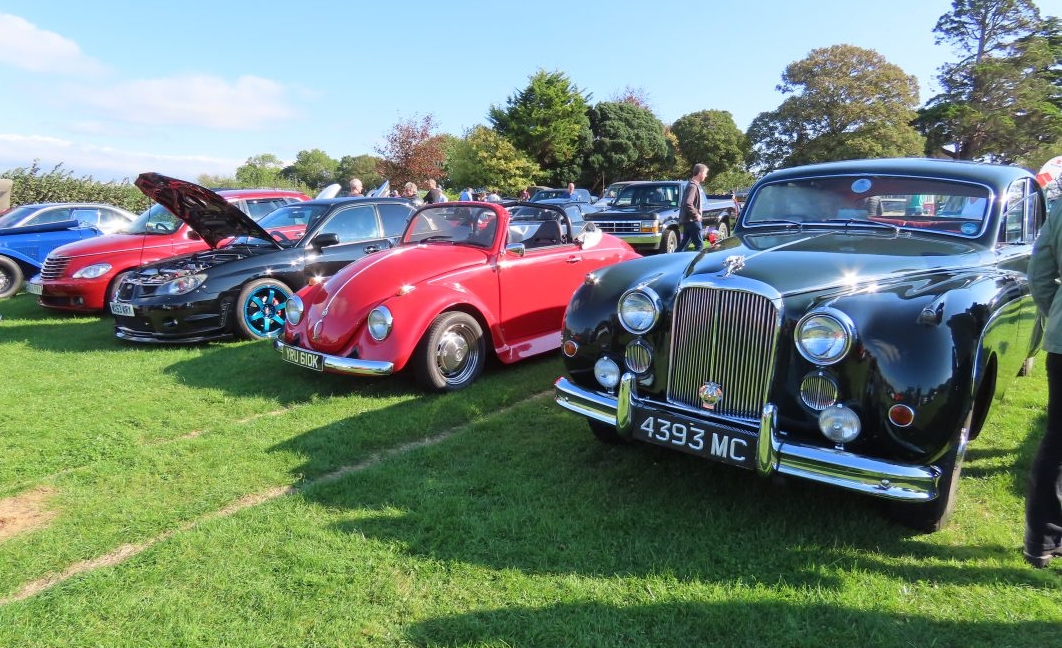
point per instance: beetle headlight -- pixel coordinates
(380, 323)
(607, 372)
(293, 310)
(824, 336)
(639, 309)
(92, 271)
(182, 285)
(839, 424)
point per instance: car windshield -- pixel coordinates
(156, 220)
(458, 225)
(543, 194)
(293, 214)
(650, 194)
(11, 218)
(928, 204)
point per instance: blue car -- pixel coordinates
(23, 249)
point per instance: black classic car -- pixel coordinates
(826, 340)
(240, 286)
(646, 215)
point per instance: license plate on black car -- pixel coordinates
(119, 308)
(307, 359)
(695, 437)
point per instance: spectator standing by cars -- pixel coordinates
(571, 191)
(467, 194)
(409, 190)
(435, 194)
(691, 210)
(1043, 502)
(356, 187)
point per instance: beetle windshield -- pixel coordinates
(454, 224)
(928, 204)
(650, 195)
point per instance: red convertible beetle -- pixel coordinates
(465, 277)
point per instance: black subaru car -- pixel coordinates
(240, 286)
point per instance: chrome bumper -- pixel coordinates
(774, 454)
(348, 366)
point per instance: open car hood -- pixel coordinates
(208, 214)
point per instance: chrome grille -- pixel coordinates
(620, 227)
(726, 337)
(54, 266)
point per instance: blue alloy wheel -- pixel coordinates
(260, 309)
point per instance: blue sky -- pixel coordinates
(192, 87)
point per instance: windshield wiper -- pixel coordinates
(777, 221)
(436, 237)
(863, 223)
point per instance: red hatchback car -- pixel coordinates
(81, 276)
(467, 280)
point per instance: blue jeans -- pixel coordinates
(691, 233)
(1043, 504)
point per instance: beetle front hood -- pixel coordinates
(208, 214)
(801, 261)
(343, 302)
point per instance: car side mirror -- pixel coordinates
(588, 236)
(324, 240)
(516, 249)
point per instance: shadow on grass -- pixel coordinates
(256, 369)
(532, 491)
(731, 623)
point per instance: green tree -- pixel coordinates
(548, 121)
(1000, 101)
(413, 152)
(363, 167)
(312, 168)
(486, 159)
(32, 185)
(260, 171)
(711, 137)
(628, 143)
(848, 103)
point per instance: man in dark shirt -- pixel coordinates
(434, 194)
(691, 210)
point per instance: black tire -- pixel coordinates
(112, 289)
(10, 277)
(669, 243)
(933, 515)
(605, 433)
(260, 309)
(452, 353)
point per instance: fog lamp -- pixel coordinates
(839, 424)
(607, 372)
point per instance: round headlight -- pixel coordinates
(380, 323)
(92, 271)
(638, 310)
(824, 336)
(293, 310)
(607, 372)
(839, 424)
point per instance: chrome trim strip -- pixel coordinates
(876, 477)
(348, 366)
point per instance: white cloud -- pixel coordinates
(249, 103)
(27, 47)
(104, 163)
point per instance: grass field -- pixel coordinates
(215, 496)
